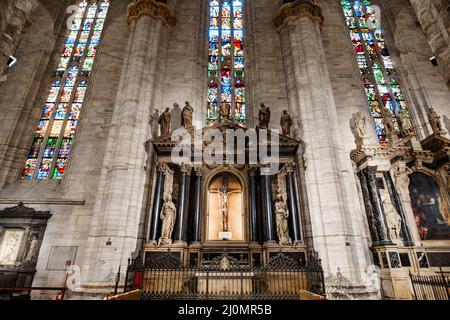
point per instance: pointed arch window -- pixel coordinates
(380, 79)
(226, 67)
(53, 137)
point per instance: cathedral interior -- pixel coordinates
(339, 177)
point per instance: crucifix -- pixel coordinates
(223, 193)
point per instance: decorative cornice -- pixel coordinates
(293, 11)
(151, 8)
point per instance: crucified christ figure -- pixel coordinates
(224, 194)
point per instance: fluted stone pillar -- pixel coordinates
(113, 234)
(335, 213)
(434, 17)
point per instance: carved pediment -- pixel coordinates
(287, 145)
(21, 211)
(438, 145)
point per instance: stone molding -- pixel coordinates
(293, 11)
(153, 9)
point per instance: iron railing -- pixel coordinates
(224, 277)
(429, 287)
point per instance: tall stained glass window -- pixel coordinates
(56, 128)
(226, 74)
(377, 70)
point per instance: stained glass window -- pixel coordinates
(56, 128)
(226, 67)
(380, 79)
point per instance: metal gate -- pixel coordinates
(224, 278)
(431, 287)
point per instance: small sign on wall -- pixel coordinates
(226, 235)
(60, 256)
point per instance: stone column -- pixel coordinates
(267, 201)
(337, 227)
(294, 213)
(183, 205)
(155, 222)
(378, 209)
(434, 17)
(118, 211)
(405, 233)
(254, 221)
(368, 204)
(400, 174)
(196, 233)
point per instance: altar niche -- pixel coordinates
(225, 208)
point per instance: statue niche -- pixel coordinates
(225, 209)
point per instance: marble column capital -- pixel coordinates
(164, 168)
(295, 10)
(185, 168)
(153, 9)
(290, 167)
(253, 171)
(199, 171)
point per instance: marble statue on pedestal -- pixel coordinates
(168, 217)
(282, 216)
(286, 123)
(406, 125)
(187, 116)
(359, 128)
(164, 122)
(392, 217)
(435, 122)
(264, 117)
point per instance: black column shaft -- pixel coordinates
(197, 209)
(253, 209)
(294, 217)
(269, 222)
(155, 225)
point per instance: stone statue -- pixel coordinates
(168, 217)
(388, 123)
(32, 249)
(406, 125)
(164, 122)
(392, 217)
(435, 122)
(359, 128)
(400, 174)
(264, 117)
(282, 216)
(186, 116)
(225, 112)
(286, 123)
